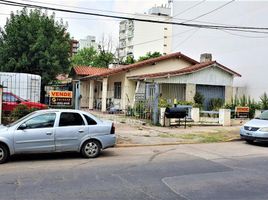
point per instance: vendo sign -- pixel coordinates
(60, 98)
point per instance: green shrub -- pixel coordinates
(199, 100)
(264, 101)
(163, 103)
(184, 103)
(215, 103)
(21, 111)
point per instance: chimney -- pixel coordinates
(205, 57)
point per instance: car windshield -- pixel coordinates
(21, 119)
(263, 116)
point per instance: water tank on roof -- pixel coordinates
(161, 11)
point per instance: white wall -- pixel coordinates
(144, 32)
(208, 76)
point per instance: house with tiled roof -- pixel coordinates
(176, 75)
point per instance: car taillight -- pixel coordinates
(112, 129)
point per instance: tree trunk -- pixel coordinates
(43, 94)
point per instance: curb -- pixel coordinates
(170, 143)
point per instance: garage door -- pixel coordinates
(210, 92)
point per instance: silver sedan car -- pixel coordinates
(256, 129)
(56, 130)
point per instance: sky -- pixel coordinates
(243, 52)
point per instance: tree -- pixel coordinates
(199, 99)
(105, 56)
(33, 42)
(102, 57)
(85, 57)
(264, 101)
(129, 60)
(149, 55)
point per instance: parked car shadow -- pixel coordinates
(45, 156)
(259, 144)
(57, 156)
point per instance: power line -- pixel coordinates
(231, 28)
(210, 11)
(195, 5)
(83, 8)
(76, 18)
(187, 38)
(141, 15)
(245, 36)
(170, 36)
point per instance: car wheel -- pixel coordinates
(250, 141)
(4, 155)
(91, 149)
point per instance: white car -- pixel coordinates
(56, 130)
(256, 129)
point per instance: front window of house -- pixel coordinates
(117, 90)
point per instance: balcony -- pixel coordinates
(122, 27)
(122, 36)
(130, 35)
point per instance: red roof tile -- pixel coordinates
(88, 70)
(186, 70)
(146, 62)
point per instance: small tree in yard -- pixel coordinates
(199, 99)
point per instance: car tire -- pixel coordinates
(91, 149)
(4, 154)
(250, 141)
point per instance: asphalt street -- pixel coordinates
(233, 170)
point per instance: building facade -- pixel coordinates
(137, 38)
(74, 46)
(177, 76)
(89, 41)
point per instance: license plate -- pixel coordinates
(249, 134)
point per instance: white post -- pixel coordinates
(91, 94)
(104, 94)
(162, 116)
(225, 117)
(195, 114)
(257, 113)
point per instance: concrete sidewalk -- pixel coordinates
(134, 132)
(136, 135)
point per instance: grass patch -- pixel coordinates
(200, 137)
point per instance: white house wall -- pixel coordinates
(127, 90)
(208, 76)
(162, 66)
(84, 90)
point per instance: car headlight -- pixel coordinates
(264, 129)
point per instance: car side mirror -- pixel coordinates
(18, 101)
(22, 126)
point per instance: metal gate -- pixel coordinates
(210, 92)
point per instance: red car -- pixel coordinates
(10, 101)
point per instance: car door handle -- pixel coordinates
(49, 133)
(81, 131)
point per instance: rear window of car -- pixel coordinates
(263, 116)
(71, 119)
(90, 121)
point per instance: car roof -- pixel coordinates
(58, 110)
(64, 110)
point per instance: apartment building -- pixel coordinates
(136, 38)
(89, 41)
